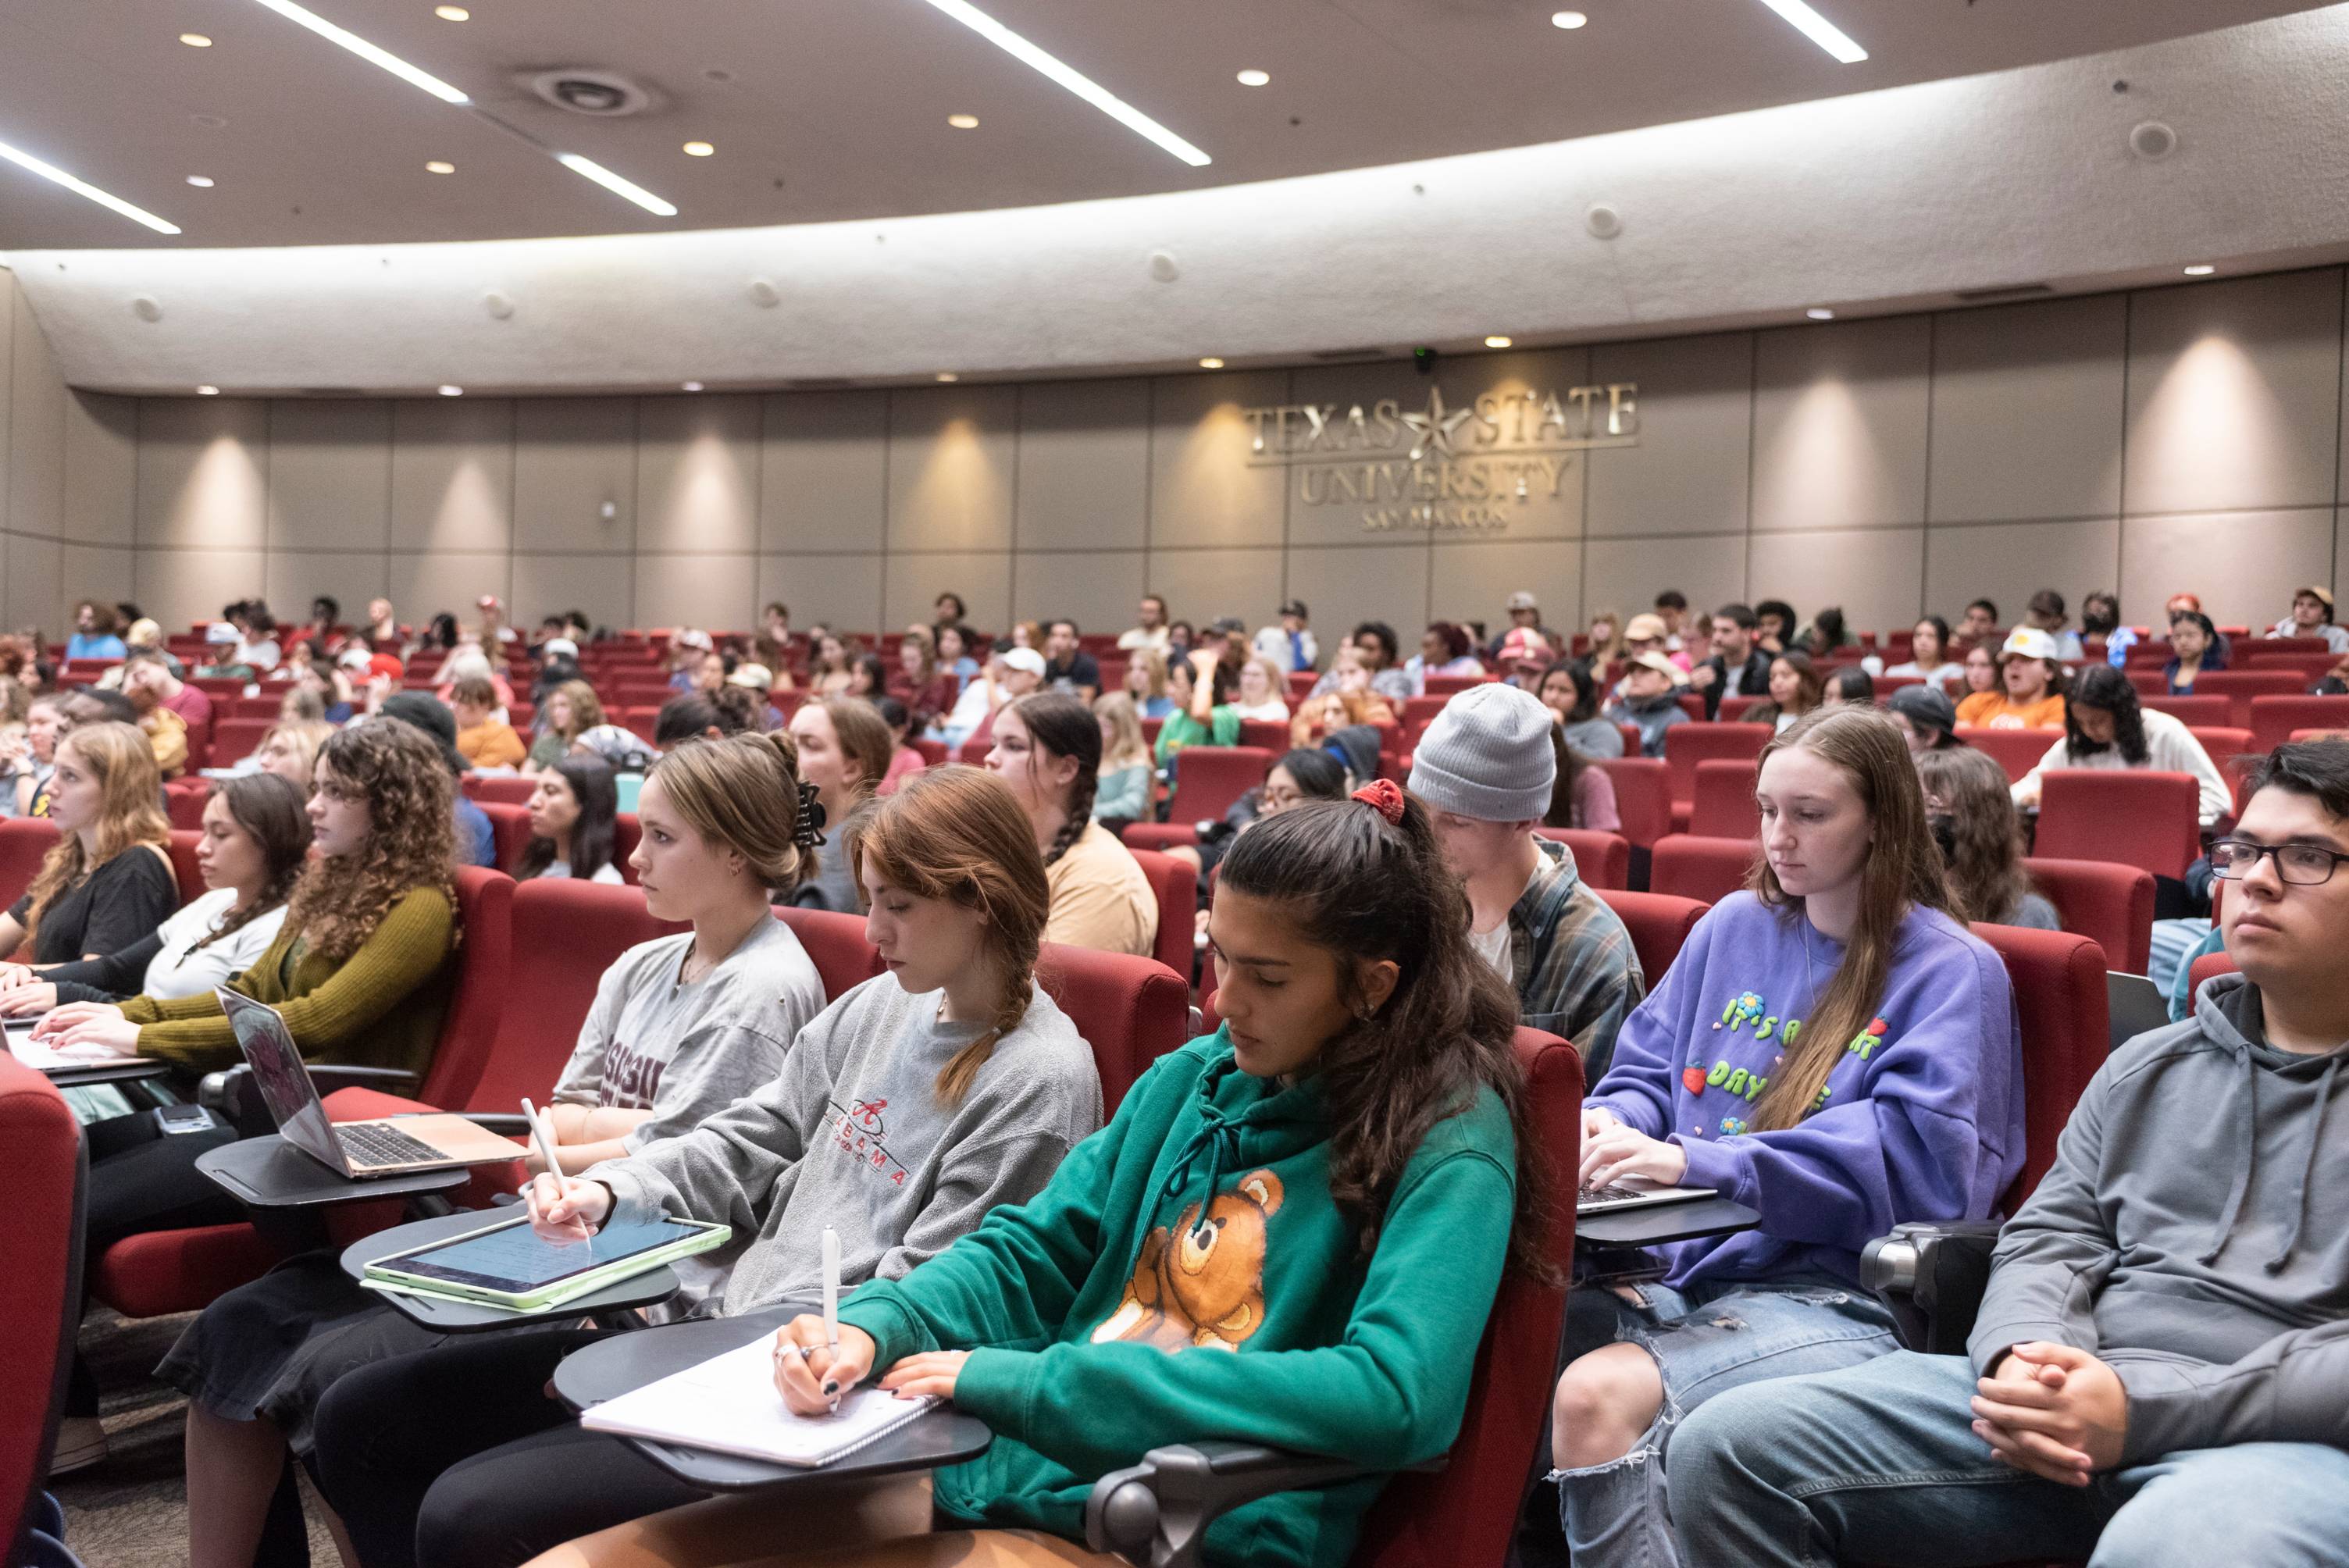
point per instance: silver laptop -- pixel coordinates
(2136, 1006)
(355, 1149)
(1635, 1192)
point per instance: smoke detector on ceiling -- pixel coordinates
(581, 89)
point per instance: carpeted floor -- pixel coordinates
(130, 1511)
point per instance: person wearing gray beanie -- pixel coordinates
(1484, 770)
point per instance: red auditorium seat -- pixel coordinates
(501, 787)
(1630, 733)
(1686, 745)
(2147, 677)
(1208, 778)
(1722, 806)
(2016, 750)
(1300, 686)
(1706, 870)
(1158, 836)
(1693, 704)
(2311, 668)
(2111, 905)
(1131, 1010)
(836, 944)
(1178, 887)
(1265, 733)
(185, 801)
(1453, 686)
(2209, 968)
(509, 830)
(24, 842)
(2191, 711)
(1604, 860)
(2133, 816)
(1418, 713)
(2059, 997)
(1643, 797)
(183, 865)
(2273, 718)
(234, 739)
(1733, 709)
(1659, 923)
(2241, 687)
(41, 1283)
(627, 834)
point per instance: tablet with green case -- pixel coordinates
(505, 1263)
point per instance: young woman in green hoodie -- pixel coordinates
(1332, 1176)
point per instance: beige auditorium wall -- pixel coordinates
(2185, 437)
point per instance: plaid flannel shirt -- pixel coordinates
(1571, 960)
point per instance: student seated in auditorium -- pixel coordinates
(149, 682)
(477, 842)
(1048, 750)
(2029, 693)
(2156, 1373)
(1521, 656)
(572, 811)
(1128, 777)
(693, 716)
(569, 711)
(483, 739)
(1067, 666)
(1011, 674)
(255, 841)
(905, 759)
(360, 969)
(1353, 1131)
(107, 884)
(1774, 625)
(1197, 718)
(1259, 696)
(1486, 769)
(1584, 794)
(2105, 726)
(1568, 690)
(1290, 644)
(1444, 650)
(96, 633)
(1383, 656)
(1926, 718)
(681, 1027)
(1319, 718)
(927, 691)
(289, 750)
(1982, 672)
(2311, 617)
(1525, 614)
(33, 766)
(456, 1457)
(1150, 631)
(1298, 777)
(2046, 613)
(166, 732)
(1797, 688)
(1832, 1049)
(843, 751)
(1851, 687)
(1646, 633)
(2195, 647)
(1145, 683)
(1736, 667)
(1929, 657)
(1975, 823)
(1650, 702)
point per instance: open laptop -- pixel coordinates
(2136, 1006)
(385, 1146)
(1635, 1192)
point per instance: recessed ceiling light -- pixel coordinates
(1819, 30)
(628, 189)
(693, 386)
(375, 56)
(201, 181)
(1254, 78)
(50, 172)
(439, 166)
(1820, 313)
(1570, 20)
(449, 391)
(195, 40)
(2200, 269)
(1211, 363)
(452, 13)
(1075, 81)
(948, 376)
(207, 391)
(699, 149)
(963, 121)
(1498, 341)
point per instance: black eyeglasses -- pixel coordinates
(2300, 865)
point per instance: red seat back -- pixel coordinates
(185, 801)
(469, 1031)
(1208, 778)
(1453, 686)
(2059, 997)
(234, 739)
(1265, 733)
(2311, 668)
(627, 834)
(183, 865)
(2241, 687)
(504, 787)
(2273, 718)
(1131, 1010)
(1686, 745)
(1463, 1515)
(24, 842)
(836, 944)
(1722, 806)
(2209, 968)
(1659, 923)
(2196, 709)
(509, 831)
(1733, 709)
(2132, 816)
(1178, 887)
(1604, 860)
(41, 1283)
(2016, 750)
(2111, 905)
(1643, 795)
(1156, 837)
(1707, 870)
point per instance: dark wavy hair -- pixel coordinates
(1455, 637)
(1363, 888)
(411, 838)
(1585, 690)
(2101, 686)
(270, 810)
(589, 779)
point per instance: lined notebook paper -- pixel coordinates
(728, 1405)
(31, 1053)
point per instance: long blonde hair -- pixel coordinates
(958, 834)
(1902, 870)
(1126, 748)
(130, 809)
(586, 708)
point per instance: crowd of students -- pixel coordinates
(1834, 1047)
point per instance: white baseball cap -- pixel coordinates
(1027, 659)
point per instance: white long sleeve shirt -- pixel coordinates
(2170, 747)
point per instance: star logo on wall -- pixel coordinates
(1435, 427)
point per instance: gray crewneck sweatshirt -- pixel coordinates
(851, 1135)
(2194, 1235)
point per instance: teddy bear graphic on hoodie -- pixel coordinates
(1203, 1282)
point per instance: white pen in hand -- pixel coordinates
(831, 1309)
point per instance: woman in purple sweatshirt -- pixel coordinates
(1831, 1050)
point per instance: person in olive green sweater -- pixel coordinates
(1292, 1233)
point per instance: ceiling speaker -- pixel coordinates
(581, 89)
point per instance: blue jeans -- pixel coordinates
(1878, 1464)
(1705, 1340)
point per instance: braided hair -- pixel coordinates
(1062, 725)
(271, 810)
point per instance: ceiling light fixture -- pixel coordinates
(1820, 313)
(449, 391)
(50, 172)
(693, 386)
(963, 121)
(1799, 16)
(627, 189)
(2200, 269)
(208, 391)
(1075, 81)
(1498, 341)
(340, 38)
(452, 13)
(1211, 363)
(1570, 20)
(439, 166)
(948, 376)
(201, 181)
(195, 40)
(699, 149)
(1254, 78)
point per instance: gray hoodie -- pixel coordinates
(2194, 1235)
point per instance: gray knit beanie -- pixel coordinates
(1488, 756)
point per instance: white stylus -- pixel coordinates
(542, 1138)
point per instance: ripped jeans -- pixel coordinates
(1705, 1339)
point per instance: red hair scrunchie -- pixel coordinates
(1385, 796)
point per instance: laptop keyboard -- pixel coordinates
(1615, 1192)
(373, 1143)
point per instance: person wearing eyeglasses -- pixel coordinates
(2160, 1371)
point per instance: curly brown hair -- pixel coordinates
(411, 839)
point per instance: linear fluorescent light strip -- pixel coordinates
(84, 187)
(366, 51)
(1076, 81)
(626, 189)
(1805, 21)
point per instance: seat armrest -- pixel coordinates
(1156, 1513)
(230, 1093)
(1931, 1274)
(506, 1123)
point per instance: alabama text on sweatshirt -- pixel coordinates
(1920, 1118)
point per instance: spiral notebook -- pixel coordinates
(728, 1405)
